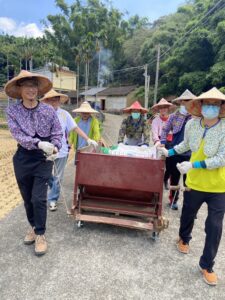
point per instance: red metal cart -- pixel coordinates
(122, 191)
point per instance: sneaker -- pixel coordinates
(183, 247)
(30, 237)
(52, 206)
(209, 276)
(40, 245)
(174, 206)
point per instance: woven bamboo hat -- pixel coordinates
(85, 108)
(187, 95)
(12, 87)
(194, 107)
(135, 106)
(163, 103)
(52, 93)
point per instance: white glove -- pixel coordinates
(47, 147)
(157, 144)
(120, 144)
(53, 156)
(93, 143)
(144, 146)
(162, 151)
(184, 167)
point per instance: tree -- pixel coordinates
(80, 27)
(195, 81)
(217, 74)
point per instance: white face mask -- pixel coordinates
(183, 110)
(135, 115)
(210, 111)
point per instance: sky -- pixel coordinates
(23, 17)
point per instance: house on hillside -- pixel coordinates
(92, 94)
(63, 79)
(114, 99)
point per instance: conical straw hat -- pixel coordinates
(135, 106)
(85, 108)
(163, 103)
(52, 93)
(12, 89)
(187, 95)
(194, 106)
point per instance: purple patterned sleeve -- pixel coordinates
(56, 132)
(23, 139)
(166, 129)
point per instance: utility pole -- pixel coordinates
(7, 65)
(99, 67)
(157, 75)
(78, 82)
(86, 79)
(146, 85)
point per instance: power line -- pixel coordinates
(117, 76)
(177, 42)
(130, 72)
(190, 30)
(127, 69)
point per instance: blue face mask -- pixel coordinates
(210, 111)
(183, 110)
(135, 115)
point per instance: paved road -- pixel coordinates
(102, 262)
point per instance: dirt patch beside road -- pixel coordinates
(10, 195)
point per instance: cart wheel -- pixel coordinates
(80, 224)
(155, 236)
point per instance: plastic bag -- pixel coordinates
(131, 151)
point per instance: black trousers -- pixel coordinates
(167, 171)
(32, 174)
(171, 168)
(213, 224)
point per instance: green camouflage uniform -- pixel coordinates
(138, 130)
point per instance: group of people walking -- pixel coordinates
(189, 132)
(193, 141)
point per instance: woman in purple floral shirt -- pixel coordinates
(37, 130)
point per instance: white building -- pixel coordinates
(116, 98)
(92, 94)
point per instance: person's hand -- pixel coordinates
(157, 144)
(184, 167)
(120, 144)
(53, 156)
(93, 143)
(47, 147)
(162, 151)
(55, 151)
(144, 146)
